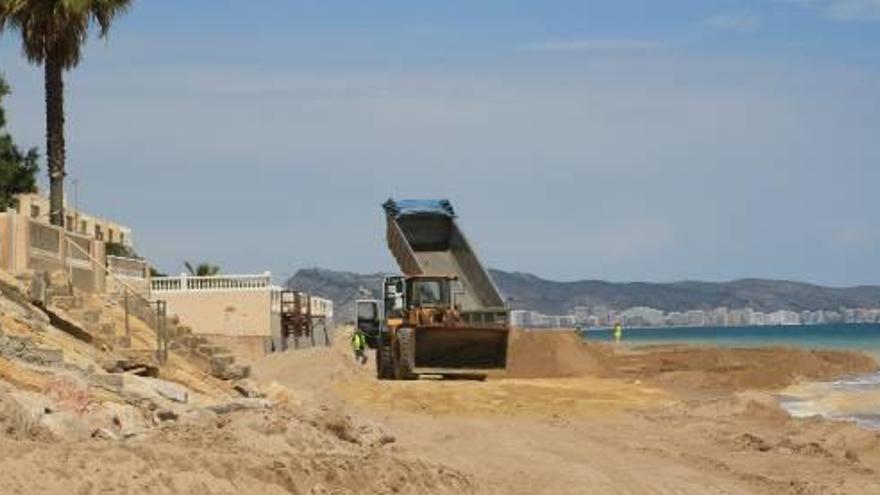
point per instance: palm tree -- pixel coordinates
(202, 270)
(53, 33)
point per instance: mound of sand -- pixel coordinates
(719, 369)
(270, 452)
(312, 371)
(553, 354)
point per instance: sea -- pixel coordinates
(850, 398)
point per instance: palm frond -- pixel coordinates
(58, 28)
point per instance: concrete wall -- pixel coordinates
(28, 245)
(234, 313)
(36, 207)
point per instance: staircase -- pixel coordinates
(90, 318)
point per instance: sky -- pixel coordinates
(626, 140)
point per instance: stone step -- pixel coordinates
(66, 303)
(231, 371)
(92, 316)
(194, 341)
(222, 360)
(210, 350)
(146, 356)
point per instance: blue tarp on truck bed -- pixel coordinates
(405, 207)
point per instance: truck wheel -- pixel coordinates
(384, 361)
(404, 356)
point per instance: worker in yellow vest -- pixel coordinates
(359, 346)
(618, 332)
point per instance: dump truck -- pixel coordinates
(444, 315)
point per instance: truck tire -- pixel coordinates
(403, 358)
(384, 359)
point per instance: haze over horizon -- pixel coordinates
(629, 141)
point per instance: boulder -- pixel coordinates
(240, 405)
(66, 425)
(122, 420)
(165, 389)
(248, 388)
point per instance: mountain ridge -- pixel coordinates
(528, 291)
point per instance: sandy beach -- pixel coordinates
(570, 418)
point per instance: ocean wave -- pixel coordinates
(859, 382)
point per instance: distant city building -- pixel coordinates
(644, 316)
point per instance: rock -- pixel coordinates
(164, 415)
(21, 412)
(113, 382)
(197, 417)
(45, 357)
(248, 388)
(240, 405)
(122, 420)
(280, 394)
(66, 425)
(230, 371)
(104, 434)
(851, 456)
(168, 390)
(219, 363)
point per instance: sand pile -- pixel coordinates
(717, 369)
(313, 370)
(553, 354)
(269, 452)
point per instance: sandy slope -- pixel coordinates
(569, 418)
(669, 420)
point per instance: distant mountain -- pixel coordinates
(530, 292)
(343, 288)
(526, 291)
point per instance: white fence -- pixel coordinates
(185, 283)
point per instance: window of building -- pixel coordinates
(122, 238)
(99, 234)
(83, 227)
(70, 224)
(109, 235)
(35, 211)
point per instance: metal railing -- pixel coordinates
(159, 325)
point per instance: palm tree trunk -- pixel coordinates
(55, 137)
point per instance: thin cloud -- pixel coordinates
(844, 10)
(593, 44)
(854, 10)
(741, 23)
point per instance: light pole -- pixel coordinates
(76, 205)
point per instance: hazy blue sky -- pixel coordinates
(625, 140)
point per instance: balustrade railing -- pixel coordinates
(212, 283)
